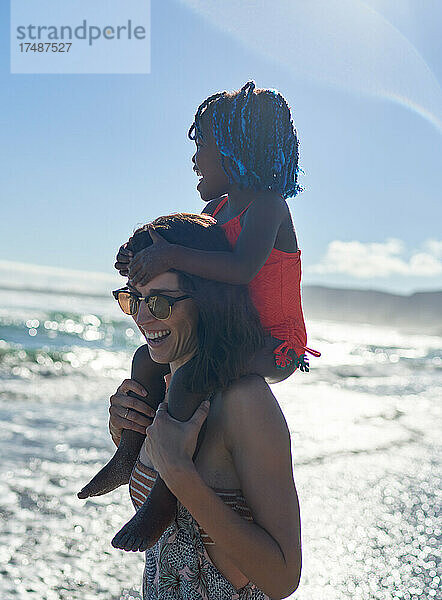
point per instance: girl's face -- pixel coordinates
(207, 164)
(177, 342)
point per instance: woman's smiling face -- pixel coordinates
(173, 340)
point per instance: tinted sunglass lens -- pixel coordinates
(159, 307)
(128, 303)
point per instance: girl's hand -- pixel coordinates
(129, 412)
(151, 261)
(170, 444)
(123, 259)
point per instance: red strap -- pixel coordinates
(243, 210)
(223, 202)
(313, 352)
(220, 205)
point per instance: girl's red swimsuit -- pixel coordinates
(276, 293)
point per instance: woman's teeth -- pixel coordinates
(156, 335)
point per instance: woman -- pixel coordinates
(237, 530)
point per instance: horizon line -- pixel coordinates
(47, 270)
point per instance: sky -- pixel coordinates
(84, 159)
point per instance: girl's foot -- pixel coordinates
(149, 523)
(118, 469)
(154, 516)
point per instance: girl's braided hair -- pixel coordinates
(253, 128)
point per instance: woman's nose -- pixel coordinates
(144, 316)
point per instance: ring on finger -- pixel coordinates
(126, 413)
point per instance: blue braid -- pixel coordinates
(256, 137)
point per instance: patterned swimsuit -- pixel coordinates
(178, 566)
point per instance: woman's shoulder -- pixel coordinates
(248, 405)
(244, 388)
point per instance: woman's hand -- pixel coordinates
(123, 259)
(151, 261)
(170, 443)
(129, 412)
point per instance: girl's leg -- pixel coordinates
(159, 510)
(264, 364)
(117, 471)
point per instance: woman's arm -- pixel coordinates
(267, 551)
(260, 228)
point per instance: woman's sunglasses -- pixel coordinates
(160, 306)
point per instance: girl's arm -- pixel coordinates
(267, 551)
(260, 228)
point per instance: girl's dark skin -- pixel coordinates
(265, 225)
(117, 471)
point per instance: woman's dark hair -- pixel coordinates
(229, 331)
(253, 128)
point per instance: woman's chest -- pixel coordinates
(214, 462)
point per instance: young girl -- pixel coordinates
(247, 160)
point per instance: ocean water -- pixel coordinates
(365, 426)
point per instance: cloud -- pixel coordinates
(368, 260)
(343, 43)
(434, 247)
